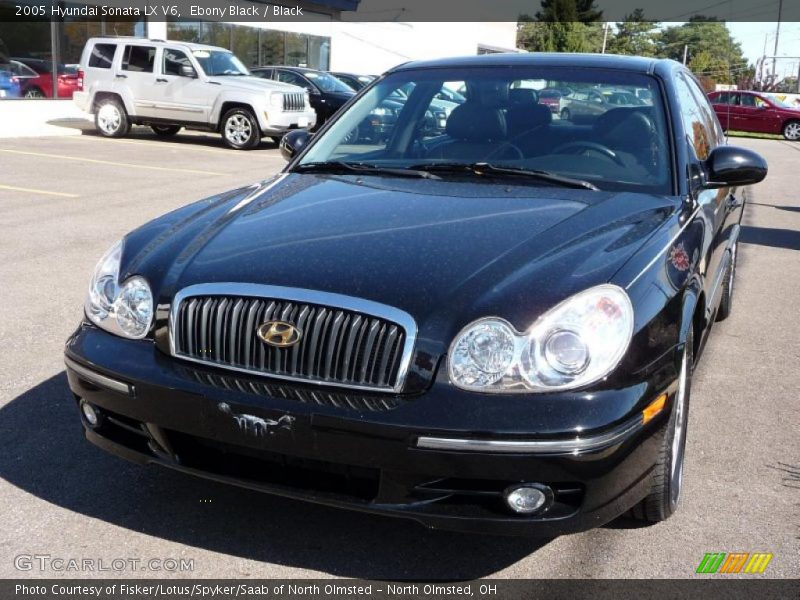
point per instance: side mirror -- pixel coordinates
(188, 71)
(734, 166)
(293, 142)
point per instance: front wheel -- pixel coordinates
(791, 131)
(240, 129)
(111, 119)
(165, 130)
(667, 476)
(565, 115)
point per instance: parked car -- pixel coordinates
(586, 105)
(356, 82)
(9, 83)
(36, 78)
(483, 330)
(171, 85)
(326, 93)
(757, 113)
(551, 98)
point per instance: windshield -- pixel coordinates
(782, 103)
(403, 122)
(327, 82)
(220, 62)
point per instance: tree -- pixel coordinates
(561, 26)
(712, 53)
(634, 36)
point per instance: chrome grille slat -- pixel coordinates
(294, 101)
(339, 346)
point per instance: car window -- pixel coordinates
(327, 82)
(220, 63)
(748, 100)
(102, 56)
(403, 121)
(293, 79)
(138, 58)
(722, 98)
(22, 70)
(174, 60)
(697, 126)
(760, 102)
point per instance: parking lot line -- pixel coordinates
(14, 188)
(181, 145)
(108, 162)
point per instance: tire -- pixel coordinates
(111, 119)
(240, 129)
(565, 114)
(667, 476)
(726, 303)
(791, 130)
(34, 92)
(165, 130)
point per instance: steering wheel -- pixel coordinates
(604, 151)
(503, 146)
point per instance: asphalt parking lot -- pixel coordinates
(64, 201)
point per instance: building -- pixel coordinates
(328, 37)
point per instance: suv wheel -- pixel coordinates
(165, 130)
(791, 131)
(667, 477)
(111, 119)
(565, 114)
(240, 129)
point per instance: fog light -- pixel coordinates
(90, 414)
(525, 499)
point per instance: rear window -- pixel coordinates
(139, 59)
(102, 56)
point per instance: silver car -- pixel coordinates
(170, 85)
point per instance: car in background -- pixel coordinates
(357, 82)
(171, 85)
(36, 78)
(552, 99)
(586, 105)
(9, 84)
(326, 93)
(756, 113)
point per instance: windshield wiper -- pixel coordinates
(482, 168)
(340, 166)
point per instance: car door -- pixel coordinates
(179, 97)
(748, 116)
(315, 97)
(721, 208)
(135, 78)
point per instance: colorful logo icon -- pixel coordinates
(734, 562)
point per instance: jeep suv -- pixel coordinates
(170, 85)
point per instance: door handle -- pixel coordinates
(161, 80)
(121, 76)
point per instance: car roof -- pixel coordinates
(129, 39)
(636, 64)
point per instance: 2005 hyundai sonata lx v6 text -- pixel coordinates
(486, 328)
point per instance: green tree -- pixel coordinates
(562, 26)
(634, 36)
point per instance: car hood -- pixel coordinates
(445, 252)
(254, 84)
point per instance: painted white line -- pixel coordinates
(14, 188)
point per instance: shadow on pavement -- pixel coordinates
(43, 451)
(766, 236)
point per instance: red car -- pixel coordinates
(756, 112)
(36, 78)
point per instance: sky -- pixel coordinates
(752, 36)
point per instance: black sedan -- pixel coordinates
(326, 93)
(492, 329)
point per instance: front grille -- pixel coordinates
(337, 346)
(294, 101)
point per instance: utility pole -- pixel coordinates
(685, 52)
(605, 37)
(777, 36)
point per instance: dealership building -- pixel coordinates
(327, 37)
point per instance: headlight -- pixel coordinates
(276, 99)
(126, 309)
(576, 343)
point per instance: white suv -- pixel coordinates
(169, 85)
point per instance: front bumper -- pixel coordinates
(350, 451)
(274, 121)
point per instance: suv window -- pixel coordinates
(174, 60)
(138, 58)
(102, 56)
